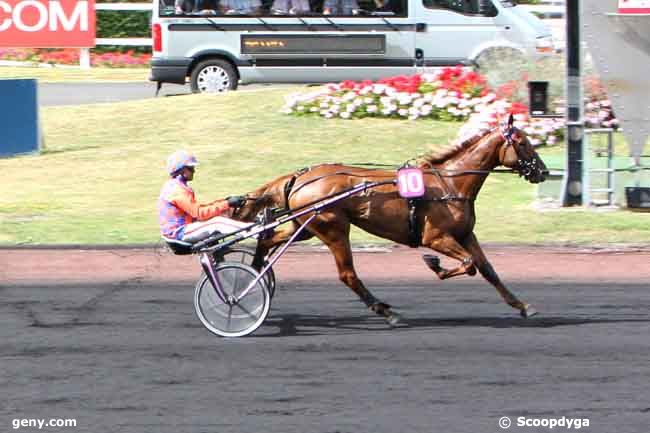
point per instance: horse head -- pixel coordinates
(517, 153)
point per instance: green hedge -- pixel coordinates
(123, 24)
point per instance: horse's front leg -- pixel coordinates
(486, 269)
(446, 244)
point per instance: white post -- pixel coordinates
(84, 58)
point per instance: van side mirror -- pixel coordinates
(487, 8)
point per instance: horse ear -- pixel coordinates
(511, 121)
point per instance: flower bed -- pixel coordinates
(453, 94)
(70, 56)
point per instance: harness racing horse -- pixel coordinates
(444, 217)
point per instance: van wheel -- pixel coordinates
(213, 76)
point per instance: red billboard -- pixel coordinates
(47, 23)
(634, 6)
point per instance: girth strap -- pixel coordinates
(415, 234)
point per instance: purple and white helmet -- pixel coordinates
(180, 159)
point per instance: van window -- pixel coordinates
(467, 7)
(279, 8)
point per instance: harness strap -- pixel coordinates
(289, 185)
(287, 190)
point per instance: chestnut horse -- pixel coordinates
(445, 215)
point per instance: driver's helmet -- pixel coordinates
(180, 159)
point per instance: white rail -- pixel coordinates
(84, 53)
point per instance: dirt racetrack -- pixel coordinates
(109, 338)
(312, 263)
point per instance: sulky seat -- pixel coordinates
(178, 247)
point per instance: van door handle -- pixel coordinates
(421, 27)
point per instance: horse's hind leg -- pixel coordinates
(486, 269)
(334, 231)
(279, 236)
(447, 245)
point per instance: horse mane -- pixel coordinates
(438, 157)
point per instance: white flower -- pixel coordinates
(324, 105)
(403, 112)
(300, 108)
(489, 98)
(368, 100)
(328, 115)
(371, 108)
(429, 78)
(313, 109)
(345, 115)
(413, 117)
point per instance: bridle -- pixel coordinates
(525, 166)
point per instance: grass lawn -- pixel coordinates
(59, 74)
(99, 176)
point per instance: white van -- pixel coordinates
(220, 43)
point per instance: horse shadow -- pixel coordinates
(290, 325)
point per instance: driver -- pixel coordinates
(180, 216)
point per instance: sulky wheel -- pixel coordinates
(246, 256)
(227, 315)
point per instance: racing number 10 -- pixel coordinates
(410, 182)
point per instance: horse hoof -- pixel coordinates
(528, 311)
(433, 262)
(395, 320)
